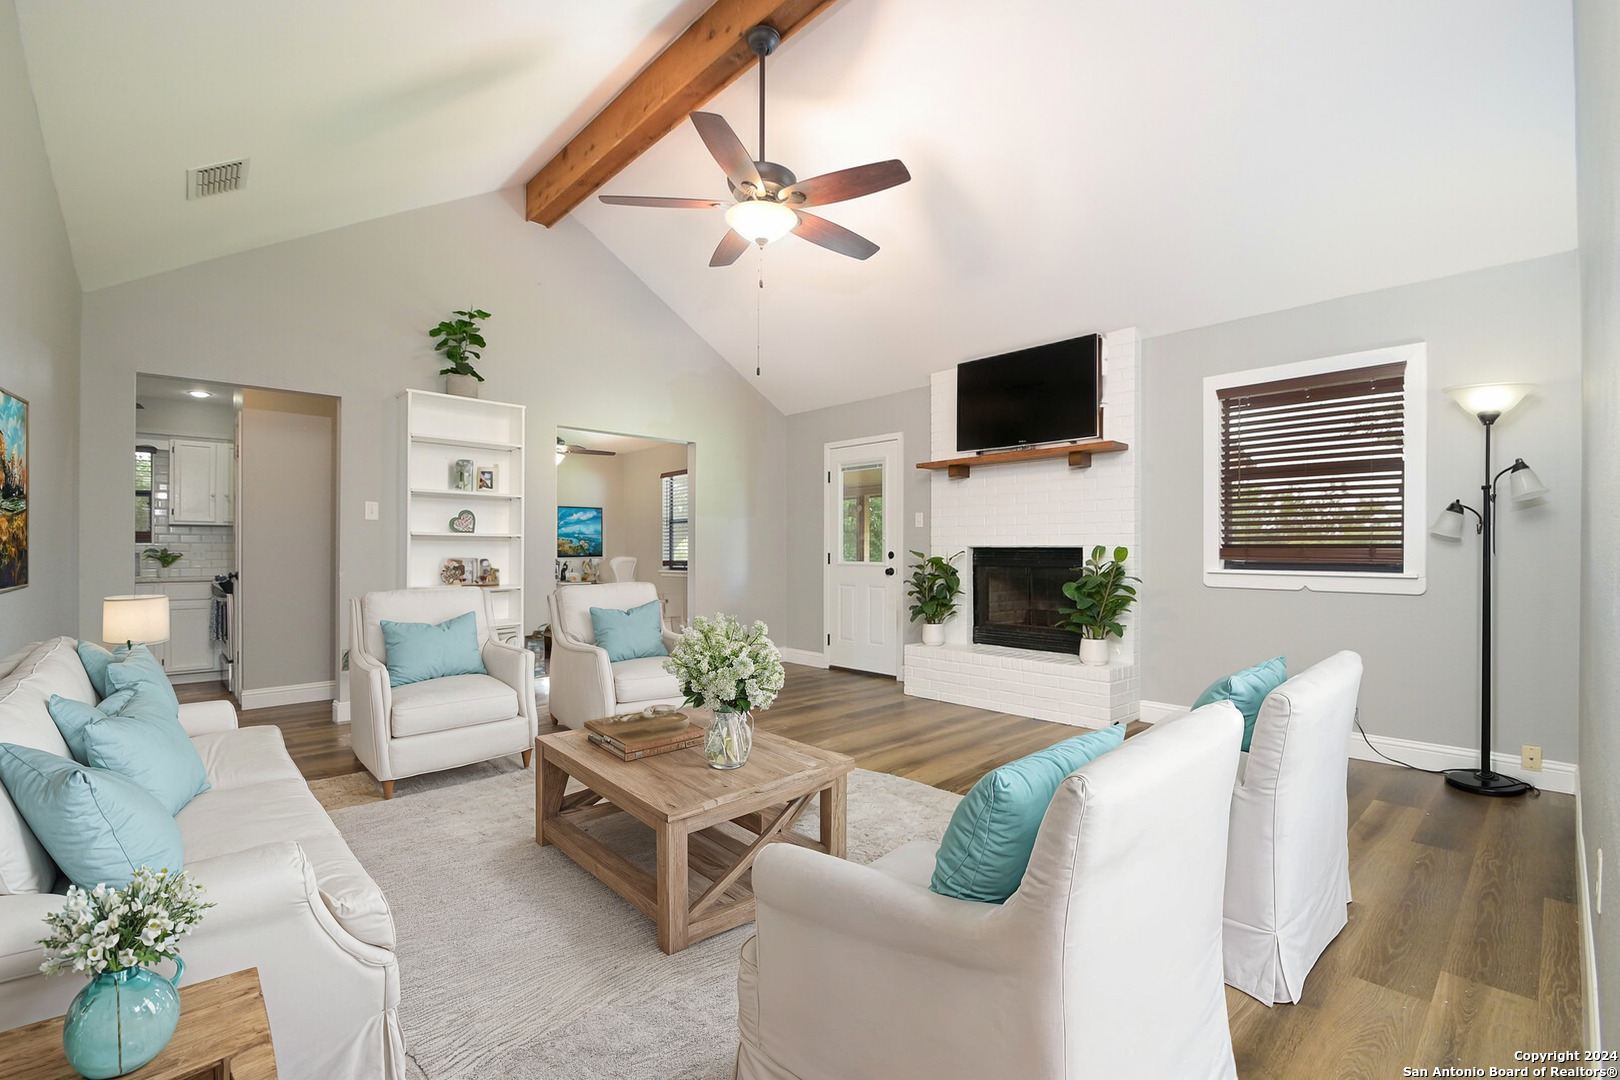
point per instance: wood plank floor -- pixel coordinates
(1463, 941)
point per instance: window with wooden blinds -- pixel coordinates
(1313, 472)
(677, 520)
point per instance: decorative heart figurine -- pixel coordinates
(463, 522)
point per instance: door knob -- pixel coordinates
(889, 571)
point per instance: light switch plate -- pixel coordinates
(371, 511)
(918, 520)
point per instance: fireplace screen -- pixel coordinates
(1018, 594)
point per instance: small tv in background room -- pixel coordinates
(1050, 393)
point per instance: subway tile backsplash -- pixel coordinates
(209, 549)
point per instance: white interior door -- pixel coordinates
(863, 527)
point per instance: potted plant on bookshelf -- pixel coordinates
(126, 1014)
(934, 586)
(732, 669)
(1101, 595)
(459, 339)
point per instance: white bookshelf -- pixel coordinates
(441, 429)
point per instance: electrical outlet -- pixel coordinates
(1530, 758)
(371, 511)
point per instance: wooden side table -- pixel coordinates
(223, 1035)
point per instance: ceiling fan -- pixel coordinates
(769, 198)
(565, 448)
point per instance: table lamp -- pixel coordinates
(132, 619)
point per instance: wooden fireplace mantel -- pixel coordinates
(1079, 455)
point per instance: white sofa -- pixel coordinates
(436, 724)
(1105, 963)
(1288, 856)
(584, 685)
(292, 899)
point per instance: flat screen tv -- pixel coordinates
(1049, 393)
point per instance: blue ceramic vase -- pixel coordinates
(120, 1020)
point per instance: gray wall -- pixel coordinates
(808, 433)
(285, 509)
(1597, 59)
(1518, 323)
(575, 336)
(643, 503)
(39, 325)
(585, 480)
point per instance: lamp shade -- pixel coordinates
(1524, 484)
(1449, 525)
(1499, 398)
(761, 221)
(135, 618)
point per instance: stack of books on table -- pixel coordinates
(644, 734)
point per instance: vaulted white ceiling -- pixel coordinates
(1079, 165)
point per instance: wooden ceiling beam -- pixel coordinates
(707, 57)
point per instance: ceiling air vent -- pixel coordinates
(206, 180)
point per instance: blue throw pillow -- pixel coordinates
(96, 660)
(1247, 689)
(141, 738)
(72, 717)
(987, 845)
(97, 825)
(416, 652)
(139, 669)
(629, 634)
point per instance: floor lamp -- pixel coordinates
(1489, 402)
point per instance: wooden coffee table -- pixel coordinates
(683, 800)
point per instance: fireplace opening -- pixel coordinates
(1018, 594)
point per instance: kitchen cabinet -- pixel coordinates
(190, 647)
(201, 475)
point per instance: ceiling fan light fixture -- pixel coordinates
(761, 221)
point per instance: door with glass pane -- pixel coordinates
(864, 519)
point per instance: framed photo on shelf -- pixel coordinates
(457, 571)
(488, 476)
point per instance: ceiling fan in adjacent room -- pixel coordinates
(564, 448)
(769, 197)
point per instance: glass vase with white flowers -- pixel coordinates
(732, 669)
(126, 1014)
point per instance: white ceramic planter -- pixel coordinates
(933, 633)
(1094, 651)
(461, 385)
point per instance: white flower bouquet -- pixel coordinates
(109, 930)
(725, 666)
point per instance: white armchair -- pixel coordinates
(584, 685)
(1105, 963)
(1288, 859)
(436, 724)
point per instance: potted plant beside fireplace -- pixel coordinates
(934, 586)
(1101, 596)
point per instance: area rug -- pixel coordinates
(516, 963)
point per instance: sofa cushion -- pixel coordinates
(140, 670)
(643, 679)
(240, 757)
(224, 820)
(986, 847)
(98, 826)
(416, 652)
(455, 701)
(1247, 689)
(140, 737)
(51, 667)
(630, 634)
(73, 718)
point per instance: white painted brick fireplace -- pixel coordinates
(1037, 504)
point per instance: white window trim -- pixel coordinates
(1413, 579)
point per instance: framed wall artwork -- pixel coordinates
(14, 492)
(579, 532)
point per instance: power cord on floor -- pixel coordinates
(1407, 764)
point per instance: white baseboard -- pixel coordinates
(1559, 776)
(210, 675)
(1591, 1022)
(1151, 712)
(287, 695)
(804, 656)
(340, 712)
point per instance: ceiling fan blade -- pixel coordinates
(846, 184)
(834, 237)
(730, 250)
(727, 149)
(570, 448)
(659, 200)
